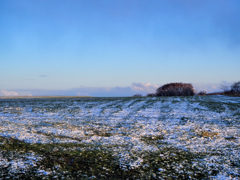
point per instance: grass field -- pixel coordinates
(120, 138)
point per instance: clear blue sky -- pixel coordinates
(61, 45)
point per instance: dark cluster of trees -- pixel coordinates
(186, 89)
(174, 89)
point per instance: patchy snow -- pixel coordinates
(19, 163)
(199, 124)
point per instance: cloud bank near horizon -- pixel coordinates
(134, 88)
(14, 93)
(8, 93)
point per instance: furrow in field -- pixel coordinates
(132, 127)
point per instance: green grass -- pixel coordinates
(136, 155)
(71, 160)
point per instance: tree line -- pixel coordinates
(186, 89)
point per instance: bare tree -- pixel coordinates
(235, 88)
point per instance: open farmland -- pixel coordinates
(121, 138)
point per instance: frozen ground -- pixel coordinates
(207, 129)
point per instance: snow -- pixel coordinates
(20, 163)
(199, 124)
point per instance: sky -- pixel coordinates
(117, 47)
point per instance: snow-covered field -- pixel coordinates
(158, 138)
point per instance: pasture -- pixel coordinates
(120, 138)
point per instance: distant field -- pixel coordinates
(41, 97)
(120, 138)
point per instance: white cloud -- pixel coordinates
(134, 88)
(207, 87)
(14, 93)
(144, 87)
(8, 93)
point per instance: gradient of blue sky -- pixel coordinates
(67, 44)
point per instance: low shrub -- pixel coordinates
(137, 95)
(151, 95)
(202, 93)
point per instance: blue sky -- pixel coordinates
(110, 47)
